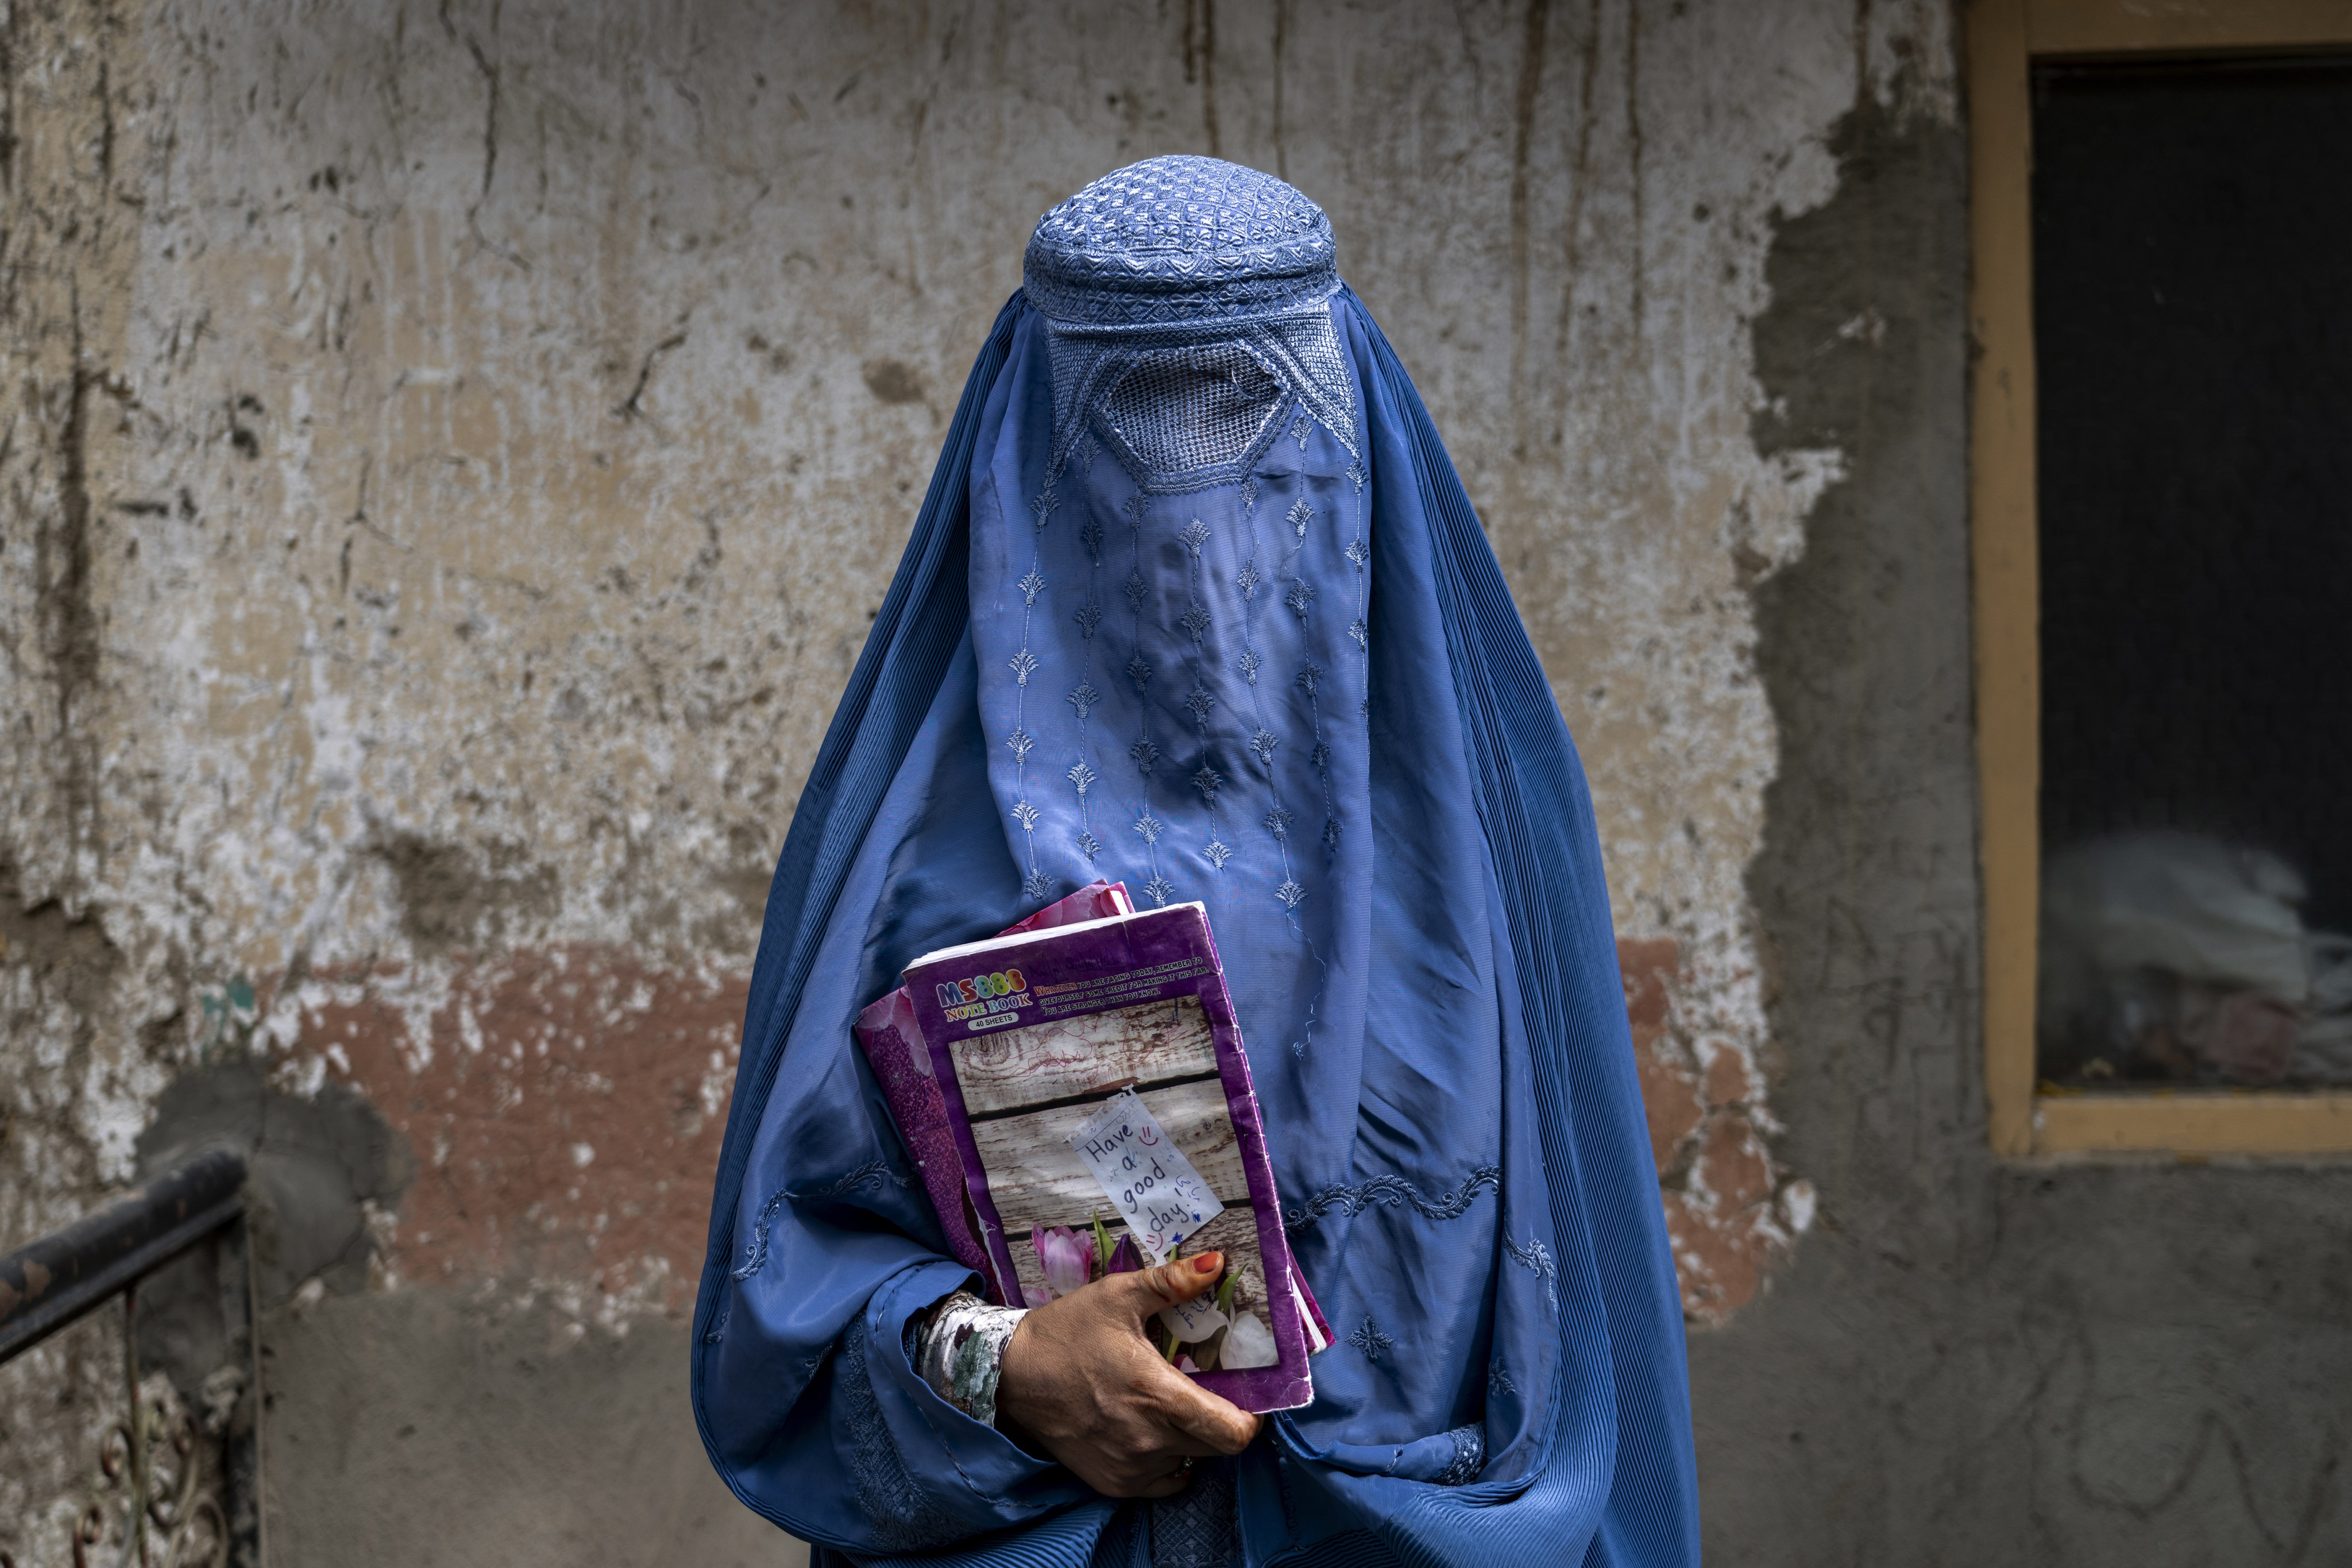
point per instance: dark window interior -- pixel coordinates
(2193, 276)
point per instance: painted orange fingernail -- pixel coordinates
(1208, 1263)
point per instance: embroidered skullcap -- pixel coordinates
(1180, 239)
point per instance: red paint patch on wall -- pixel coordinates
(565, 1107)
(1725, 1216)
(1670, 1093)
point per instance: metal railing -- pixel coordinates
(148, 1504)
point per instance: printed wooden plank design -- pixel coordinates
(1098, 1053)
(1035, 1178)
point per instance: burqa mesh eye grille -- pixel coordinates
(1182, 410)
(1315, 347)
(1157, 281)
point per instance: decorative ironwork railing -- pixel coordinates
(149, 1506)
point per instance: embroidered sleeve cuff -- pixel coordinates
(962, 1350)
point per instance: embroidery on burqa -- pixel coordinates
(1368, 1339)
(1301, 600)
(1469, 1457)
(1300, 597)
(1310, 678)
(1536, 1258)
(1024, 664)
(1200, 701)
(1262, 741)
(1359, 556)
(1264, 745)
(1145, 752)
(1083, 697)
(872, 1174)
(1193, 405)
(1393, 1191)
(901, 1511)
(1194, 1529)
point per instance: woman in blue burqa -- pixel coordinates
(1196, 602)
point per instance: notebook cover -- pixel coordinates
(1018, 1070)
(894, 1048)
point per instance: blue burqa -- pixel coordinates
(1196, 601)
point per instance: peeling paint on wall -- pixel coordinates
(1731, 1214)
(565, 1106)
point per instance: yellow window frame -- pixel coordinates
(2004, 39)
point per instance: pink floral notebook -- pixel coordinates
(1076, 1094)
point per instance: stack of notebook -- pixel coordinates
(1075, 1095)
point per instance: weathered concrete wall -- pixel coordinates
(2078, 1365)
(454, 452)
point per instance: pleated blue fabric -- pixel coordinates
(1197, 601)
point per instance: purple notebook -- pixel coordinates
(902, 1065)
(1088, 1107)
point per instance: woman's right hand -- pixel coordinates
(1081, 1378)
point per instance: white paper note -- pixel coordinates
(1154, 1188)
